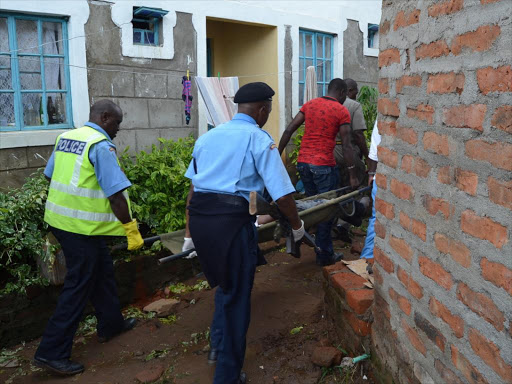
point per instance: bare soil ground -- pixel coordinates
(287, 294)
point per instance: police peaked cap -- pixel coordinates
(252, 92)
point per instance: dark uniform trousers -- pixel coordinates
(233, 308)
(90, 276)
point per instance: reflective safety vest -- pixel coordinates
(76, 203)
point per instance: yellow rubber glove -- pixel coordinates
(133, 235)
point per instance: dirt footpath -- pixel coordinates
(287, 296)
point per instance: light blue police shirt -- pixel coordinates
(108, 172)
(236, 158)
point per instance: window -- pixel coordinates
(146, 25)
(373, 36)
(315, 49)
(34, 75)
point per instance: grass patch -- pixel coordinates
(337, 374)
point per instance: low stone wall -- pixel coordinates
(349, 304)
(23, 318)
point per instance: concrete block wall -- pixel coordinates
(356, 65)
(151, 103)
(16, 164)
(443, 251)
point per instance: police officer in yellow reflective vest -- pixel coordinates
(86, 202)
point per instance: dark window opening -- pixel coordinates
(373, 30)
(147, 24)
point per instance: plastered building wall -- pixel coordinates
(356, 65)
(246, 50)
(444, 207)
(151, 97)
(102, 39)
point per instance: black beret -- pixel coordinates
(253, 92)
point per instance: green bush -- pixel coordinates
(23, 234)
(297, 140)
(158, 196)
(160, 188)
(368, 97)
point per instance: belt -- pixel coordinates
(230, 199)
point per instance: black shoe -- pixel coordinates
(243, 378)
(63, 367)
(335, 257)
(128, 324)
(212, 356)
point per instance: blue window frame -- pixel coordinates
(34, 73)
(145, 32)
(315, 49)
(373, 29)
(146, 25)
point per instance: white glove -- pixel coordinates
(298, 233)
(188, 244)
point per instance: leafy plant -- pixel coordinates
(137, 313)
(160, 188)
(7, 356)
(157, 354)
(196, 337)
(368, 97)
(179, 288)
(87, 326)
(297, 140)
(171, 319)
(23, 234)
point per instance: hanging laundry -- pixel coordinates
(187, 97)
(310, 90)
(218, 94)
(229, 86)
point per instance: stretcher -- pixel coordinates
(312, 210)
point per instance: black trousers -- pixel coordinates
(232, 314)
(90, 276)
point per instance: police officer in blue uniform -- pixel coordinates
(228, 163)
(90, 272)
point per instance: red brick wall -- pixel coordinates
(443, 255)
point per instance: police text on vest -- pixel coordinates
(71, 146)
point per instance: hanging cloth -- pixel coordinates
(187, 97)
(217, 94)
(229, 86)
(311, 89)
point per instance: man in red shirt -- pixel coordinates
(325, 117)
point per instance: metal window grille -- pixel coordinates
(315, 49)
(34, 73)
